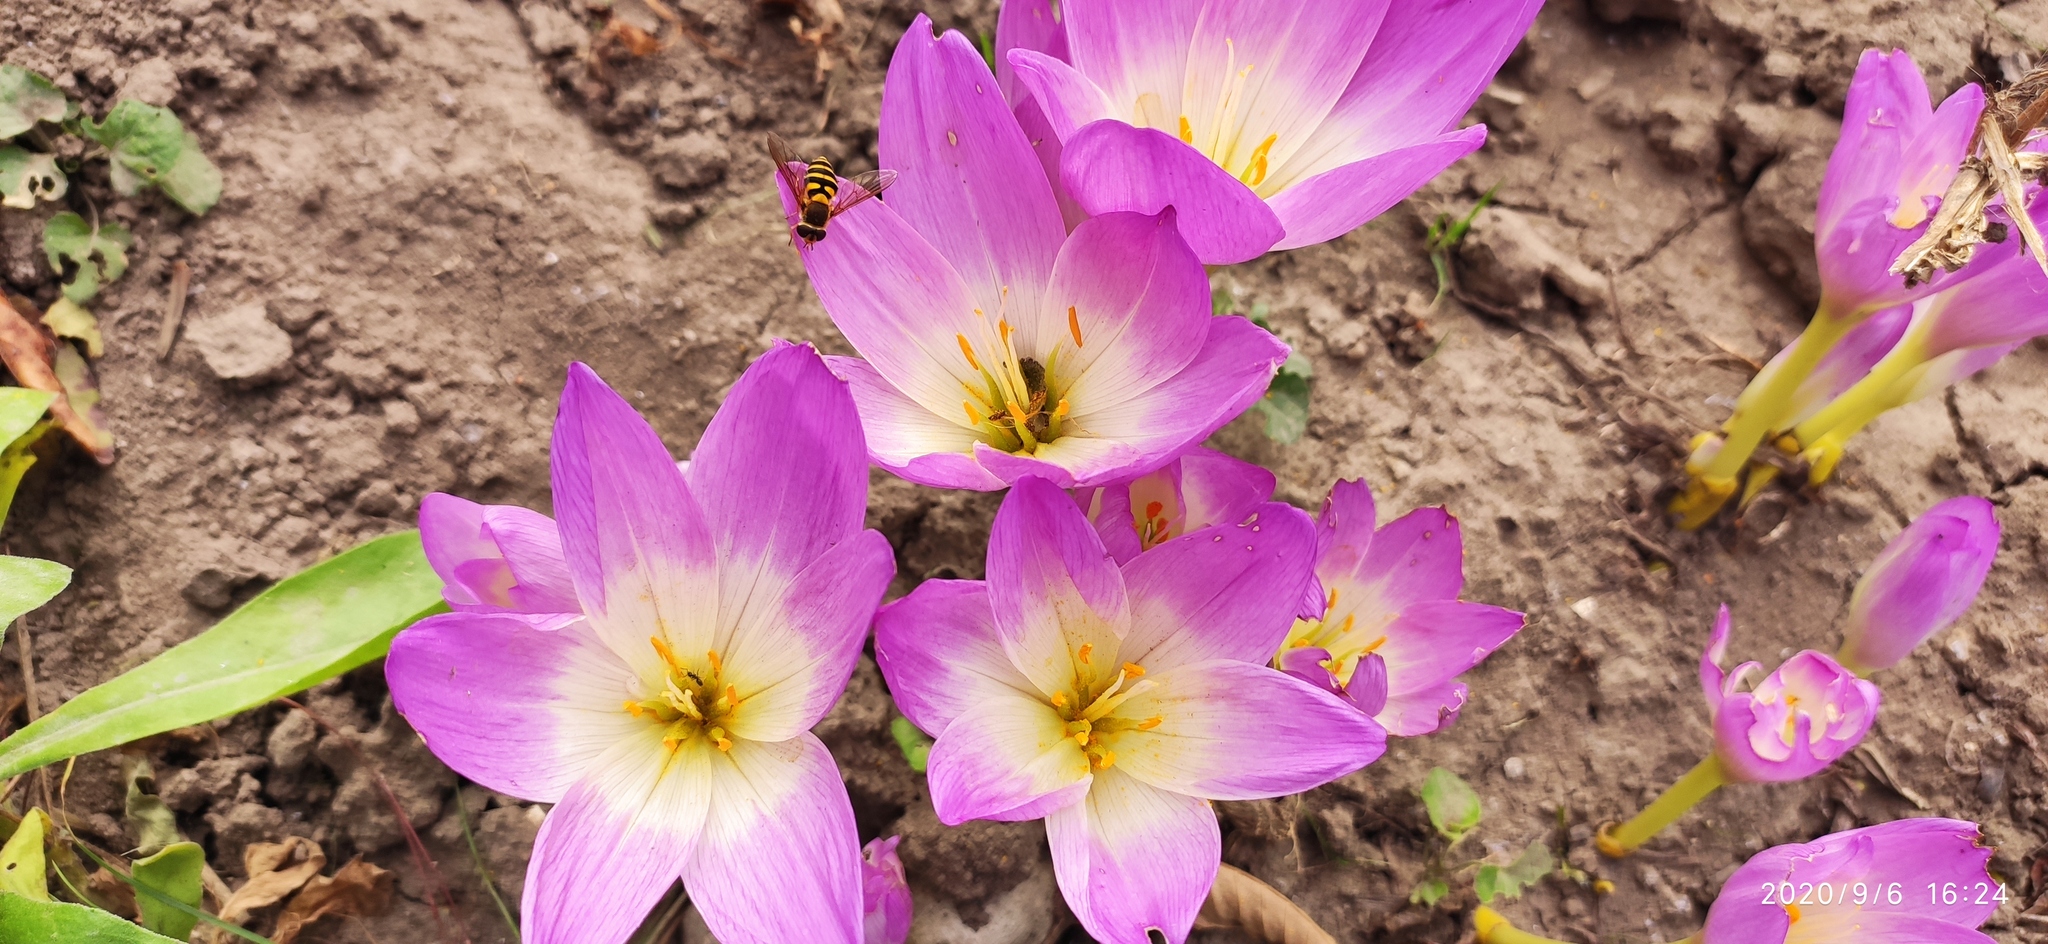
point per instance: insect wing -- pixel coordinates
(860, 188)
(779, 152)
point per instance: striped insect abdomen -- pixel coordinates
(821, 186)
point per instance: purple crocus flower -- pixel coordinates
(1862, 886)
(1793, 724)
(1117, 701)
(1201, 488)
(996, 345)
(716, 617)
(1391, 635)
(884, 893)
(1270, 125)
(496, 558)
(1920, 583)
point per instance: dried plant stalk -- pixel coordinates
(1992, 169)
(1240, 902)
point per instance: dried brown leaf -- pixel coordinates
(358, 889)
(30, 355)
(1240, 902)
(272, 875)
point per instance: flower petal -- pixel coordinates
(1235, 731)
(779, 859)
(1133, 50)
(1046, 144)
(2008, 303)
(1328, 205)
(1136, 298)
(1911, 853)
(1417, 557)
(907, 439)
(1066, 98)
(1921, 582)
(1025, 24)
(1434, 641)
(793, 657)
(637, 543)
(1133, 858)
(1007, 756)
(1420, 712)
(615, 843)
(513, 706)
(1270, 69)
(1237, 361)
(1109, 166)
(1216, 488)
(1225, 592)
(1052, 586)
(970, 183)
(1075, 460)
(496, 557)
(939, 651)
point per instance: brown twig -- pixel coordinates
(30, 702)
(436, 886)
(174, 311)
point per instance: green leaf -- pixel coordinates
(21, 424)
(149, 820)
(20, 410)
(1444, 236)
(917, 749)
(69, 319)
(1494, 881)
(1453, 807)
(27, 176)
(27, 583)
(23, 921)
(174, 872)
(69, 236)
(311, 627)
(22, 864)
(150, 145)
(26, 98)
(1222, 301)
(1285, 405)
(1429, 893)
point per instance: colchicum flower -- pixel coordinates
(1884, 182)
(1920, 583)
(884, 893)
(1269, 125)
(1201, 488)
(1792, 725)
(715, 617)
(996, 345)
(1919, 880)
(1117, 701)
(1391, 635)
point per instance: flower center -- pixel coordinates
(1018, 405)
(1223, 140)
(1090, 714)
(1340, 638)
(693, 700)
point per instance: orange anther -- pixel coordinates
(1087, 649)
(1074, 324)
(1153, 509)
(968, 349)
(1134, 670)
(716, 665)
(1152, 722)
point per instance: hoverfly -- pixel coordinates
(819, 197)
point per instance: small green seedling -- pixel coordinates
(1443, 238)
(917, 749)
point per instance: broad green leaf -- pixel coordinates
(20, 409)
(1429, 893)
(917, 749)
(1453, 807)
(152, 823)
(69, 236)
(1285, 405)
(21, 860)
(1494, 881)
(69, 319)
(311, 627)
(151, 146)
(174, 872)
(21, 424)
(26, 98)
(27, 583)
(23, 921)
(27, 176)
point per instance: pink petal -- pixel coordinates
(1110, 166)
(1281, 65)
(1417, 557)
(909, 440)
(520, 709)
(1130, 288)
(637, 543)
(1434, 641)
(1921, 582)
(1133, 858)
(1345, 528)
(791, 653)
(1911, 853)
(1007, 756)
(779, 860)
(1066, 98)
(1337, 201)
(1237, 361)
(970, 183)
(1052, 586)
(615, 843)
(884, 893)
(496, 557)
(1416, 713)
(1130, 48)
(1203, 746)
(1025, 24)
(939, 651)
(2006, 304)
(1046, 144)
(1220, 489)
(1109, 507)
(1075, 460)
(1224, 592)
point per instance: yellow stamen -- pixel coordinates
(1255, 169)
(633, 708)
(973, 418)
(1074, 324)
(1369, 647)
(1059, 699)
(717, 667)
(968, 349)
(1333, 600)
(670, 743)
(1792, 911)
(1187, 131)
(1106, 761)
(1152, 722)
(1087, 649)
(732, 695)
(1134, 670)
(661, 649)
(718, 738)
(1059, 410)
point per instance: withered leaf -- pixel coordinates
(358, 889)
(31, 356)
(273, 874)
(1244, 903)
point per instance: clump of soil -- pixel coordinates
(432, 206)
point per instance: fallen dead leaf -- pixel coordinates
(272, 875)
(30, 355)
(1239, 901)
(358, 889)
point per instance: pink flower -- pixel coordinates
(496, 558)
(996, 345)
(1918, 880)
(1796, 722)
(1269, 125)
(1117, 701)
(1391, 635)
(1920, 583)
(884, 893)
(1201, 488)
(716, 617)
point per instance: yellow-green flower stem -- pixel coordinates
(1494, 929)
(1909, 353)
(1682, 796)
(1759, 410)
